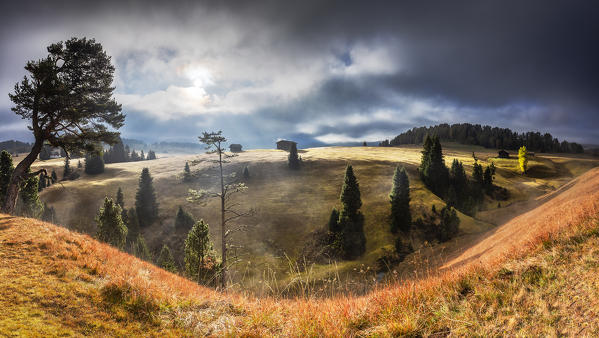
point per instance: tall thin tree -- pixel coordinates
(215, 144)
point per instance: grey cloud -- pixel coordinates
(525, 65)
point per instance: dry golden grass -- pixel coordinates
(54, 282)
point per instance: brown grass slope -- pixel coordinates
(57, 282)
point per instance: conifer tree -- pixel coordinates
(79, 165)
(140, 249)
(134, 156)
(132, 226)
(151, 155)
(67, 100)
(183, 220)
(6, 169)
(200, 263)
(145, 200)
(293, 159)
(110, 225)
(54, 176)
(425, 159)
(142, 156)
(67, 169)
(41, 182)
(29, 203)
(333, 224)
(187, 173)
(351, 220)
(488, 177)
(246, 173)
(449, 225)
(401, 217)
(523, 159)
(120, 198)
(433, 171)
(166, 260)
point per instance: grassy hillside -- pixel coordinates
(57, 282)
(290, 205)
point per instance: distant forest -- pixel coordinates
(486, 136)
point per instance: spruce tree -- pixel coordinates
(333, 224)
(67, 169)
(246, 173)
(142, 156)
(437, 175)
(41, 182)
(6, 169)
(120, 198)
(145, 200)
(401, 218)
(449, 225)
(54, 176)
(151, 155)
(199, 257)
(425, 159)
(293, 159)
(110, 225)
(140, 249)
(166, 260)
(183, 220)
(132, 226)
(351, 220)
(79, 165)
(187, 173)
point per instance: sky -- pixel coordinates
(324, 72)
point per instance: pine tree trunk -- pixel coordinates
(17, 177)
(222, 221)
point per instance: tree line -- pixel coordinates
(486, 136)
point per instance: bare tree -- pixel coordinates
(229, 186)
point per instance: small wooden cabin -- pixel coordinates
(235, 148)
(503, 154)
(285, 144)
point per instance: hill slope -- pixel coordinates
(290, 205)
(57, 282)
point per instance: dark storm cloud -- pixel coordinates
(519, 64)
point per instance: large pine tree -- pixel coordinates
(110, 225)
(401, 217)
(351, 220)
(145, 200)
